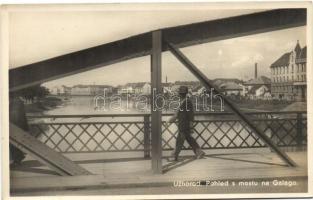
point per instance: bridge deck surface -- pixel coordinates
(129, 169)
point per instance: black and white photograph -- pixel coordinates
(157, 101)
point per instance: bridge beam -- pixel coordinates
(140, 45)
(41, 152)
(156, 113)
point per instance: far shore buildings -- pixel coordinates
(91, 90)
(228, 86)
(81, 90)
(60, 90)
(288, 75)
(190, 84)
(231, 89)
(140, 88)
(257, 88)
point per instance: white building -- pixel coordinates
(146, 89)
(288, 74)
(60, 90)
(250, 87)
(82, 90)
(126, 90)
(260, 92)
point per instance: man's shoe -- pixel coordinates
(200, 154)
(173, 153)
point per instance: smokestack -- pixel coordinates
(256, 70)
(166, 79)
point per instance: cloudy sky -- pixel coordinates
(36, 36)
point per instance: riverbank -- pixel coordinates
(263, 105)
(44, 104)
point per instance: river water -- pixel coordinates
(84, 105)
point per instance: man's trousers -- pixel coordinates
(181, 137)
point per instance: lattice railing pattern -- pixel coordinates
(235, 134)
(304, 131)
(129, 136)
(89, 137)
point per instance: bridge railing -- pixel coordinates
(131, 132)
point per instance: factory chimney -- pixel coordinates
(256, 71)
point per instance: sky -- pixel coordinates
(36, 36)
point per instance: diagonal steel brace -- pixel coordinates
(195, 71)
(41, 152)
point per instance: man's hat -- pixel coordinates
(183, 90)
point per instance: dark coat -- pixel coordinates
(185, 116)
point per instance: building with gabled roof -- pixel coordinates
(288, 75)
(255, 83)
(231, 88)
(262, 80)
(251, 87)
(218, 81)
(259, 92)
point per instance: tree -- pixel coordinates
(33, 92)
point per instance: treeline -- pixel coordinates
(32, 93)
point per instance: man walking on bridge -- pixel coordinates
(185, 118)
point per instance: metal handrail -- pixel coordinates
(164, 114)
(205, 120)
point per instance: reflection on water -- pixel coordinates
(83, 105)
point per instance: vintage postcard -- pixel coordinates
(157, 101)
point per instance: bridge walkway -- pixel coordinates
(129, 169)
